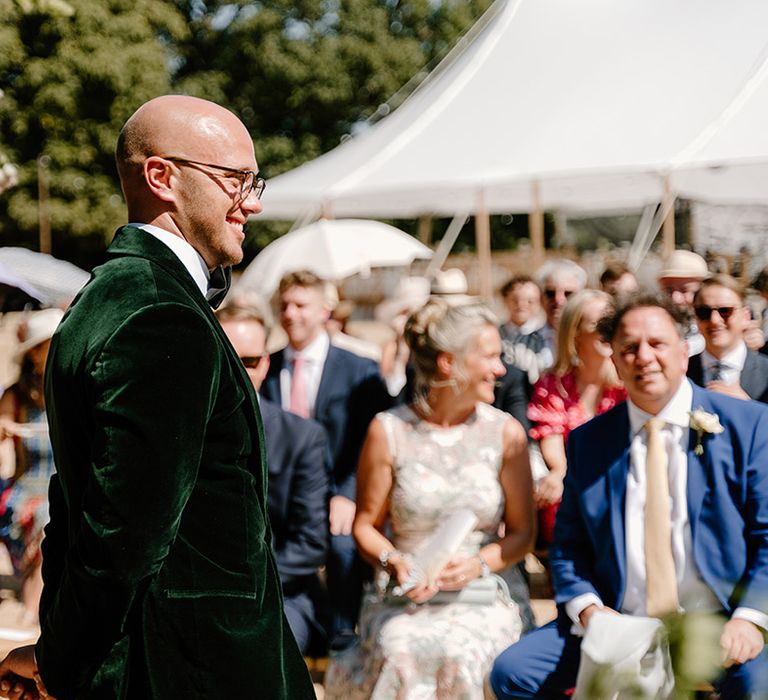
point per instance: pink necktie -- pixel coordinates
(299, 388)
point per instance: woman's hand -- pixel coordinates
(549, 489)
(458, 573)
(400, 568)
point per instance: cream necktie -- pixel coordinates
(660, 577)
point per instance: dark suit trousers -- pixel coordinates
(346, 573)
(544, 664)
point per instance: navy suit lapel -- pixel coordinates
(326, 379)
(272, 382)
(696, 487)
(696, 370)
(617, 444)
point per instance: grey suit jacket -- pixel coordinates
(754, 375)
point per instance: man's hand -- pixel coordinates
(733, 390)
(586, 614)
(341, 514)
(19, 679)
(753, 336)
(549, 489)
(741, 641)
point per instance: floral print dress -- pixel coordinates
(555, 409)
(410, 652)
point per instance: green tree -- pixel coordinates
(303, 74)
(71, 73)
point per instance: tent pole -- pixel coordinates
(425, 230)
(536, 224)
(483, 243)
(668, 228)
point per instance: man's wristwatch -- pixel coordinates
(387, 554)
(485, 570)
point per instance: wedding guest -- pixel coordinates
(522, 300)
(521, 345)
(664, 511)
(582, 384)
(342, 391)
(617, 279)
(558, 279)
(680, 279)
(726, 364)
(422, 462)
(24, 495)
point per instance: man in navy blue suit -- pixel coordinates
(716, 486)
(342, 392)
(297, 453)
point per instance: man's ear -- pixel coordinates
(158, 175)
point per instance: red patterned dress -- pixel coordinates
(555, 409)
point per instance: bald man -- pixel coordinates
(159, 577)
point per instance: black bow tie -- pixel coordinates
(218, 286)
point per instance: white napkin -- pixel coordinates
(624, 657)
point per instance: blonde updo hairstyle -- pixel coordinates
(441, 327)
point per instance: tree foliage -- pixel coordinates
(301, 74)
(70, 79)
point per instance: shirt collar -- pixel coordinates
(187, 255)
(676, 412)
(734, 359)
(315, 352)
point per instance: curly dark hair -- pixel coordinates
(608, 325)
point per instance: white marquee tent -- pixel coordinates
(575, 105)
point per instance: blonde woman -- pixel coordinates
(581, 384)
(447, 451)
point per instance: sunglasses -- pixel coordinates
(704, 313)
(252, 361)
(552, 293)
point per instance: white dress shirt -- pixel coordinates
(189, 257)
(694, 594)
(514, 331)
(314, 356)
(731, 364)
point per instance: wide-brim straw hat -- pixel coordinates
(40, 326)
(684, 263)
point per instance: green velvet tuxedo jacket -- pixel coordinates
(159, 577)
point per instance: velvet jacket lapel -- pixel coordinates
(130, 240)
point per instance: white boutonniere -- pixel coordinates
(704, 423)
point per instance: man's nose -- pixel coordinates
(678, 297)
(644, 353)
(252, 204)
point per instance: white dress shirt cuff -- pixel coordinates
(576, 606)
(754, 616)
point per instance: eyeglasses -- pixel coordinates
(252, 361)
(550, 294)
(249, 180)
(704, 313)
